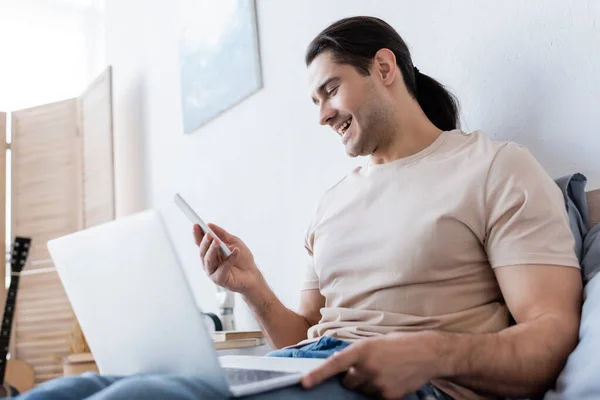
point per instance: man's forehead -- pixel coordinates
(322, 69)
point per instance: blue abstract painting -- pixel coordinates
(219, 57)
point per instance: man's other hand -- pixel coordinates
(389, 366)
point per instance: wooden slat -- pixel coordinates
(54, 334)
(43, 361)
(52, 350)
(45, 287)
(48, 369)
(42, 343)
(36, 294)
(59, 309)
(41, 378)
(593, 200)
(95, 106)
(26, 331)
(39, 304)
(45, 278)
(46, 203)
(44, 317)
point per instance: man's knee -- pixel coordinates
(71, 387)
(160, 386)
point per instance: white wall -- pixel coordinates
(525, 71)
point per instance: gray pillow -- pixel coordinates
(573, 190)
(590, 264)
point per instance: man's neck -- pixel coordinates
(407, 141)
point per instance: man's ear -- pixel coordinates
(384, 64)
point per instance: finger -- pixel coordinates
(355, 378)
(198, 234)
(220, 274)
(205, 244)
(337, 363)
(212, 259)
(230, 261)
(369, 388)
(221, 233)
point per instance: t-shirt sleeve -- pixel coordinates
(311, 279)
(526, 218)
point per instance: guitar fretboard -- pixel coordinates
(9, 311)
(18, 257)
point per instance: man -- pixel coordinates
(416, 260)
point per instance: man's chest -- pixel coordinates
(394, 232)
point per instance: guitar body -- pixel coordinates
(19, 378)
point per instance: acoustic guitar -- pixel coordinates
(16, 376)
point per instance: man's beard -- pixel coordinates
(372, 134)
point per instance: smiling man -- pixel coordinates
(416, 262)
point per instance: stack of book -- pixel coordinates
(237, 339)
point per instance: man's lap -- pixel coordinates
(170, 387)
(92, 386)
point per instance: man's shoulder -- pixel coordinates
(478, 145)
(501, 154)
(477, 142)
(515, 160)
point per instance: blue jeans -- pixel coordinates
(170, 387)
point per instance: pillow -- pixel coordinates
(573, 190)
(590, 264)
(580, 379)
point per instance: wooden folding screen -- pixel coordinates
(62, 181)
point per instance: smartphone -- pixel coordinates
(195, 219)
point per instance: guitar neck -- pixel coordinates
(9, 310)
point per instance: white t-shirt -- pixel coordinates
(411, 244)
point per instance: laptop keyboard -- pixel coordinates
(239, 376)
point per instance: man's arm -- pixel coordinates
(525, 359)
(282, 326)
(239, 273)
(519, 361)
(526, 219)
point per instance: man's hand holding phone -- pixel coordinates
(229, 263)
(234, 270)
(237, 272)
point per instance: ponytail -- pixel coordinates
(438, 104)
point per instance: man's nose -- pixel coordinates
(326, 114)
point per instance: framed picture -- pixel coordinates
(219, 58)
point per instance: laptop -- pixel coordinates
(139, 316)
